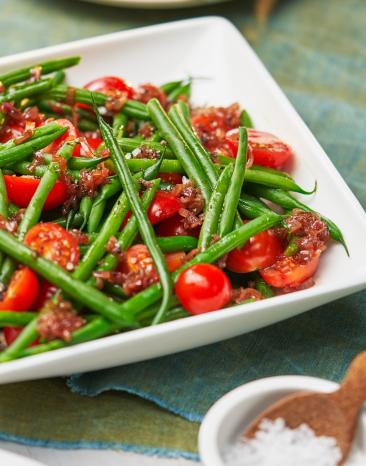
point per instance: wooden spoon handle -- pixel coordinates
(352, 393)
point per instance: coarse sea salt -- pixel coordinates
(277, 445)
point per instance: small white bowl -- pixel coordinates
(12, 459)
(227, 418)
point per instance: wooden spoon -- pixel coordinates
(328, 414)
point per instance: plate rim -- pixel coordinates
(352, 283)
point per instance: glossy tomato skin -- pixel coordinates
(203, 288)
(20, 190)
(262, 250)
(22, 291)
(107, 84)
(173, 226)
(138, 258)
(164, 206)
(54, 243)
(287, 272)
(267, 150)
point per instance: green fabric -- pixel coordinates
(315, 50)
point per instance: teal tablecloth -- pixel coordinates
(316, 51)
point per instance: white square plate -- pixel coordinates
(212, 48)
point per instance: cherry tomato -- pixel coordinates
(262, 250)
(71, 134)
(287, 272)
(174, 178)
(267, 150)
(22, 291)
(93, 144)
(173, 226)
(54, 243)
(203, 288)
(107, 84)
(11, 334)
(21, 189)
(164, 206)
(138, 258)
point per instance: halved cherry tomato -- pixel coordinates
(71, 134)
(11, 334)
(173, 226)
(163, 206)
(287, 272)
(21, 189)
(267, 150)
(174, 178)
(54, 243)
(262, 250)
(138, 258)
(22, 291)
(203, 288)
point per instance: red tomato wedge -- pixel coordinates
(54, 243)
(138, 258)
(262, 250)
(163, 206)
(21, 292)
(267, 150)
(203, 288)
(21, 189)
(92, 143)
(287, 272)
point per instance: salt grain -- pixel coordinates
(277, 445)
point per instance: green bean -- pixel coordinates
(80, 163)
(132, 108)
(23, 74)
(24, 150)
(22, 168)
(16, 319)
(153, 171)
(169, 86)
(96, 215)
(34, 209)
(187, 159)
(25, 338)
(85, 208)
(251, 207)
(130, 144)
(214, 208)
(76, 223)
(3, 197)
(12, 209)
(60, 109)
(87, 125)
(58, 78)
(145, 227)
(178, 118)
(245, 119)
(167, 166)
(21, 92)
(233, 194)
(119, 123)
(291, 248)
(269, 170)
(287, 201)
(177, 243)
(76, 289)
(184, 89)
(263, 287)
(112, 187)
